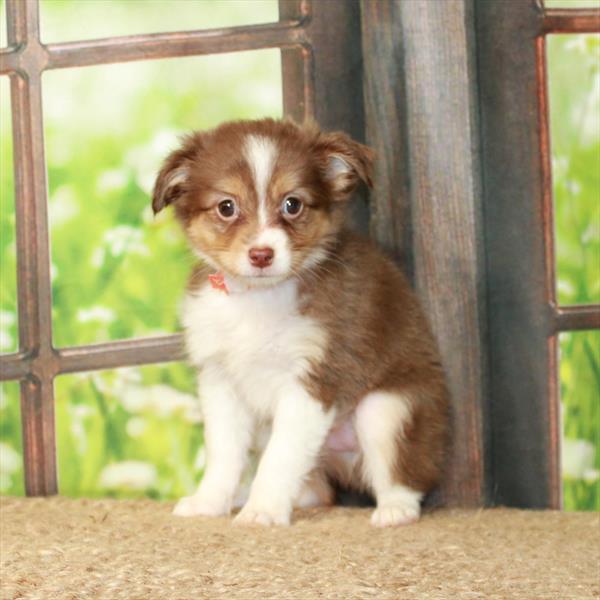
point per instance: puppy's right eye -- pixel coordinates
(227, 209)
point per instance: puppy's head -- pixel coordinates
(262, 200)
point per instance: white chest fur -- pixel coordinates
(258, 337)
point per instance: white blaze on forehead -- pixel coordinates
(261, 152)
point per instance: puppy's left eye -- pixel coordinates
(291, 207)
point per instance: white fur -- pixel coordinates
(315, 257)
(253, 348)
(261, 153)
(227, 442)
(379, 420)
(337, 166)
(269, 237)
(300, 426)
(177, 176)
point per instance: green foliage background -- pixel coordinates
(117, 272)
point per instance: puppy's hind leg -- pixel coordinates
(380, 420)
(315, 491)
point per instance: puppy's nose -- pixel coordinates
(261, 257)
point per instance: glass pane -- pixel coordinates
(129, 433)
(574, 89)
(8, 258)
(580, 408)
(107, 130)
(572, 3)
(61, 20)
(11, 447)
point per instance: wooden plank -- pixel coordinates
(422, 118)
(523, 389)
(333, 55)
(386, 120)
(33, 257)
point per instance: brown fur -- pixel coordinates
(379, 340)
(378, 336)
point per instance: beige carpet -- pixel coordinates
(59, 548)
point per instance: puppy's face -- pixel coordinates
(262, 200)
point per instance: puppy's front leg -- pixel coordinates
(300, 426)
(227, 435)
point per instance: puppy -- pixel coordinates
(306, 337)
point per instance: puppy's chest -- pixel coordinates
(259, 337)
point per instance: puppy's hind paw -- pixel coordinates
(394, 515)
(249, 516)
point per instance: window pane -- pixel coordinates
(61, 20)
(572, 3)
(11, 447)
(580, 404)
(574, 88)
(129, 432)
(8, 259)
(107, 130)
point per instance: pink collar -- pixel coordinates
(217, 281)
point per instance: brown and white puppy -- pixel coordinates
(305, 334)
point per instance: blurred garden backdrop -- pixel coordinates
(118, 272)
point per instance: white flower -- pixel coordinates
(591, 233)
(576, 43)
(577, 458)
(162, 400)
(101, 314)
(124, 238)
(135, 427)
(10, 459)
(6, 341)
(98, 256)
(63, 205)
(565, 287)
(145, 159)
(111, 180)
(130, 474)
(7, 320)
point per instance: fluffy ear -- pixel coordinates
(345, 162)
(174, 175)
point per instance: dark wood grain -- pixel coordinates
(422, 117)
(518, 218)
(571, 20)
(571, 318)
(386, 111)
(333, 69)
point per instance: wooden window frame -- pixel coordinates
(300, 33)
(525, 319)
(453, 97)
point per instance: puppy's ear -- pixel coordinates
(345, 162)
(173, 178)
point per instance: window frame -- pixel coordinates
(374, 69)
(525, 319)
(37, 362)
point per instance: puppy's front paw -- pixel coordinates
(252, 516)
(394, 514)
(196, 505)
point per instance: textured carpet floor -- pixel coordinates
(59, 548)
